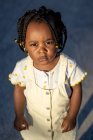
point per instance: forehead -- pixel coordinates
(41, 27)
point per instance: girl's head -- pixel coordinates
(43, 15)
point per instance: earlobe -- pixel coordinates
(25, 50)
(56, 46)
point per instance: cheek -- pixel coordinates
(52, 51)
(32, 54)
(29, 50)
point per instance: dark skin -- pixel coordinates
(41, 48)
(75, 101)
(19, 104)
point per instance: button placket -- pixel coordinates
(48, 108)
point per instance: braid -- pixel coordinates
(53, 19)
(22, 26)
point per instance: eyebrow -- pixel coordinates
(37, 41)
(32, 41)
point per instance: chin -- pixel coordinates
(43, 63)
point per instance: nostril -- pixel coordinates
(43, 49)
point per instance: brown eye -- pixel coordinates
(50, 42)
(33, 44)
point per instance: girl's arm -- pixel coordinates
(75, 102)
(19, 101)
(19, 104)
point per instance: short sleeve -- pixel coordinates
(17, 76)
(75, 73)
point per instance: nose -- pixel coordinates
(42, 48)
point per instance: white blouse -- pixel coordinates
(47, 80)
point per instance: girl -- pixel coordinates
(47, 81)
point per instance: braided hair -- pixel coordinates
(53, 19)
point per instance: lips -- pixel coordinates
(42, 58)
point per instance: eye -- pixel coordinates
(49, 42)
(33, 44)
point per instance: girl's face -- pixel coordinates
(40, 45)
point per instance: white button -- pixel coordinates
(48, 119)
(48, 108)
(49, 130)
(47, 93)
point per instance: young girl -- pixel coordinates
(47, 81)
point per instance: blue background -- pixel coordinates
(78, 17)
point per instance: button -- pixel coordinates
(48, 119)
(49, 130)
(47, 93)
(48, 108)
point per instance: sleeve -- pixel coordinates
(17, 76)
(75, 73)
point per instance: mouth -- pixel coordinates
(42, 58)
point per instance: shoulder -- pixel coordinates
(18, 75)
(73, 72)
(20, 72)
(23, 63)
(68, 63)
(68, 60)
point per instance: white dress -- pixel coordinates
(47, 97)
